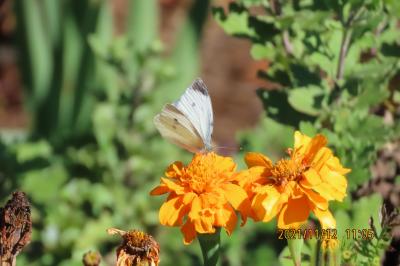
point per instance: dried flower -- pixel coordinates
(15, 226)
(137, 248)
(292, 188)
(204, 193)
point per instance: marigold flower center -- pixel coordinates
(203, 174)
(286, 170)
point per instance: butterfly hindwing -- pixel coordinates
(196, 105)
(177, 128)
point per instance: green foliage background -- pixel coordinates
(93, 154)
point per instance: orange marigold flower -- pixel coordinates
(292, 188)
(202, 196)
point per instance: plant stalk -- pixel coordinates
(210, 247)
(343, 52)
(295, 246)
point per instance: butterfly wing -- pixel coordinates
(175, 126)
(196, 105)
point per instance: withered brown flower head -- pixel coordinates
(137, 248)
(15, 227)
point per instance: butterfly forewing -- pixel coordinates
(178, 129)
(196, 105)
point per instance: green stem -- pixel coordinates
(295, 246)
(210, 247)
(314, 252)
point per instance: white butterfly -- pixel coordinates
(188, 122)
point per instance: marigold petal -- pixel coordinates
(249, 176)
(334, 164)
(189, 232)
(307, 147)
(204, 224)
(174, 170)
(225, 164)
(315, 145)
(172, 211)
(169, 212)
(258, 208)
(311, 178)
(202, 218)
(316, 199)
(334, 183)
(338, 181)
(325, 191)
(267, 204)
(273, 198)
(294, 213)
(257, 159)
(173, 186)
(300, 140)
(159, 190)
(237, 197)
(226, 217)
(325, 218)
(321, 158)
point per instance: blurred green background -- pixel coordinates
(82, 80)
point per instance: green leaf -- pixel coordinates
(142, 13)
(32, 150)
(105, 123)
(278, 108)
(235, 23)
(364, 208)
(39, 49)
(307, 128)
(305, 100)
(43, 185)
(259, 51)
(372, 96)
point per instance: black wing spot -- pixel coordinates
(175, 120)
(198, 85)
(193, 104)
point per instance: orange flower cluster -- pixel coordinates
(207, 193)
(292, 188)
(204, 193)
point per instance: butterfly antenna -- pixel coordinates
(228, 149)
